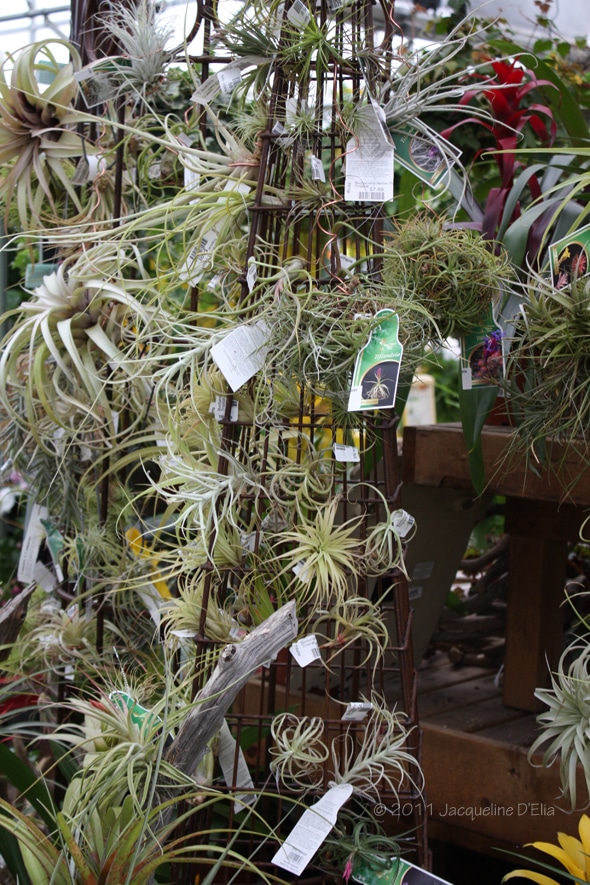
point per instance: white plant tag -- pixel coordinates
(317, 169)
(369, 170)
(207, 91)
(402, 522)
(242, 780)
(311, 830)
(229, 78)
(242, 353)
(356, 711)
(33, 536)
(298, 14)
(306, 650)
(44, 577)
(154, 172)
(153, 601)
(466, 378)
(346, 453)
(248, 541)
(192, 179)
(252, 274)
(217, 408)
(283, 138)
(199, 257)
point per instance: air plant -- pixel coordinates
(383, 545)
(451, 272)
(353, 622)
(564, 725)
(38, 137)
(322, 554)
(299, 753)
(381, 763)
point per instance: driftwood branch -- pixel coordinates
(237, 662)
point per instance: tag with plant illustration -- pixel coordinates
(376, 371)
(482, 359)
(391, 871)
(568, 257)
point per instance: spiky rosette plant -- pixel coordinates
(79, 352)
(452, 274)
(38, 138)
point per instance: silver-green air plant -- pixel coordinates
(565, 724)
(299, 753)
(38, 137)
(353, 622)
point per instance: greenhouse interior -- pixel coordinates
(294, 471)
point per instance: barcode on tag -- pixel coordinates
(356, 711)
(295, 856)
(306, 650)
(402, 522)
(378, 196)
(335, 5)
(218, 407)
(298, 13)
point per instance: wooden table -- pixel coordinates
(543, 513)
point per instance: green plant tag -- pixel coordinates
(139, 715)
(569, 257)
(392, 871)
(376, 371)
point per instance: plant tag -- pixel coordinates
(36, 273)
(242, 353)
(192, 179)
(466, 378)
(311, 830)
(44, 577)
(229, 78)
(236, 773)
(206, 92)
(219, 405)
(32, 538)
(335, 5)
(422, 571)
(376, 371)
(56, 543)
(154, 172)
(306, 650)
(298, 569)
(153, 602)
(346, 453)
(398, 872)
(369, 170)
(317, 169)
(298, 14)
(280, 132)
(429, 156)
(199, 257)
(402, 522)
(248, 541)
(415, 591)
(252, 274)
(482, 354)
(356, 711)
(184, 139)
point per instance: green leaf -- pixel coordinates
(26, 781)
(10, 851)
(475, 405)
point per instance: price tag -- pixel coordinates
(219, 405)
(298, 14)
(199, 257)
(311, 830)
(44, 577)
(229, 78)
(369, 170)
(306, 650)
(466, 378)
(236, 773)
(356, 711)
(317, 169)
(346, 453)
(402, 522)
(192, 179)
(241, 353)
(207, 91)
(283, 139)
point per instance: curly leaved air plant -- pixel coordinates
(299, 754)
(565, 733)
(38, 138)
(353, 622)
(379, 763)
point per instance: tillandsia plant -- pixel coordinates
(563, 734)
(299, 753)
(354, 622)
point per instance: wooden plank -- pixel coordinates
(436, 455)
(462, 694)
(480, 786)
(439, 676)
(472, 718)
(534, 617)
(520, 732)
(543, 519)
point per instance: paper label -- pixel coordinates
(283, 139)
(356, 711)
(44, 577)
(252, 274)
(429, 157)
(207, 91)
(298, 14)
(317, 169)
(306, 650)
(415, 591)
(32, 538)
(218, 407)
(466, 379)
(199, 257)
(402, 522)
(376, 371)
(311, 830)
(242, 353)
(422, 571)
(236, 776)
(192, 179)
(346, 453)
(229, 78)
(369, 171)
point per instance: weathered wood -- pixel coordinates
(12, 616)
(237, 663)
